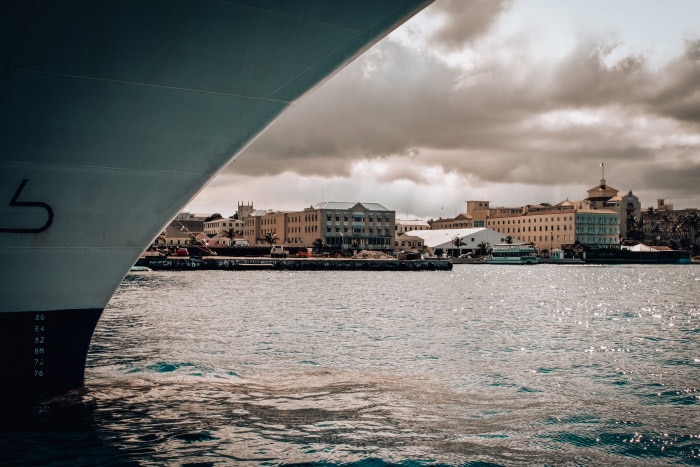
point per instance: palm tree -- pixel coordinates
(229, 233)
(457, 242)
(694, 227)
(482, 249)
(687, 225)
(318, 245)
(270, 238)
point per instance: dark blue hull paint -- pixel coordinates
(44, 352)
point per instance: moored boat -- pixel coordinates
(615, 254)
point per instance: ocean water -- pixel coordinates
(482, 365)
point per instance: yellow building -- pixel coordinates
(462, 221)
(546, 226)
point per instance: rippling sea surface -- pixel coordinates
(482, 365)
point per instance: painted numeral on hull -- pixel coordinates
(31, 204)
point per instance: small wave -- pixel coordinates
(170, 367)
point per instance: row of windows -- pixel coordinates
(359, 230)
(409, 244)
(408, 228)
(596, 219)
(464, 225)
(360, 222)
(307, 229)
(358, 217)
(219, 225)
(600, 231)
(596, 240)
(529, 229)
(307, 218)
(346, 242)
(530, 220)
(544, 238)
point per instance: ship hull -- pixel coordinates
(114, 115)
(43, 353)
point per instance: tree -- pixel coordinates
(228, 233)
(457, 242)
(318, 245)
(483, 248)
(270, 238)
(635, 228)
(213, 217)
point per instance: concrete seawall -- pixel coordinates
(244, 263)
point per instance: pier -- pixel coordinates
(297, 264)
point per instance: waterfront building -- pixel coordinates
(403, 242)
(627, 207)
(602, 196)
(401, 226)
(244, 210)
(339, 225)
(598, 226)
(444, 239)
(252, 227)
(407, 242)
(183, 230)
(556, 226)
(630, 216)
(544, 225)
(354, 225)
(667, 226)
(224, 226)
(461, 221)
(264, 224)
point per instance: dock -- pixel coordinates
(296, 264)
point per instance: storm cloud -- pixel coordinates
(501, 115)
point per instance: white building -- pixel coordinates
(223, 226)
(470, 239)
(401, 226)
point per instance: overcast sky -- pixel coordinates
(517, 102)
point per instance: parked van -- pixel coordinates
(278, 251)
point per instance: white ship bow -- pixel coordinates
(113, 116)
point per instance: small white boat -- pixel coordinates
(140, 269)
(507, 253)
